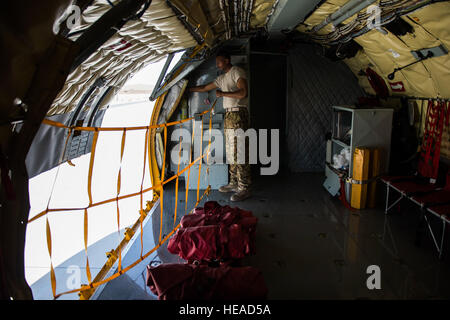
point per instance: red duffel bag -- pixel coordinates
(201, 282)
(209, 243)
(214, 214)
(196, 243)
(235, 238)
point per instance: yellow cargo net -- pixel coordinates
(86, 291)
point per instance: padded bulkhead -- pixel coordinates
(316, 85)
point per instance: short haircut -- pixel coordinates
(223, 53)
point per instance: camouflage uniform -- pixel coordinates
(240, 174)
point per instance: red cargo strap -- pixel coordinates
(431, 144)
(342, 196)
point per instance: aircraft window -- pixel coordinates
(177, 57)
(172, 63)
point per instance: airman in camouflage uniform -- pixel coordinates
(233, 88)
(240, 173)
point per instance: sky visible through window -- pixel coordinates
(139, 88)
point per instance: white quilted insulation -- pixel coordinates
(139, 42)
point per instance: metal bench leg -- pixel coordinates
(441, 251)
(432, 234)
(387, 198)
(389, 207)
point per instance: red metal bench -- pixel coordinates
(422, 188)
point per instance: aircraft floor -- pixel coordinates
(309, 246)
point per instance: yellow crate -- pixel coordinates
(361, 160)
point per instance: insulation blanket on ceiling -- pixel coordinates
(138, 43)
(261, 9)
(317, 84)
(215, 232)
(387, 52)
(384, 53)
(186, 281)
(193, 10)
(320, 14)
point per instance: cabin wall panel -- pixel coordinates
(316, 84)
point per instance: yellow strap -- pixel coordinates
(210, 138)
(44, 213)
(91, 166)
(141, 192)
(49, 246)
(119, 185)
(117, 274)
(189, 170)
(200, 165)
(163, 173)
(88, 270)
(162, 186)
(110, 129)
(209, 144)
(176, 186)
(149, 155)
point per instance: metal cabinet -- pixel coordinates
(354, 128)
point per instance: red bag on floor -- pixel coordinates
(200, 282)
(215, 232)
(214, 214)
(196, 243)
(209, 243)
